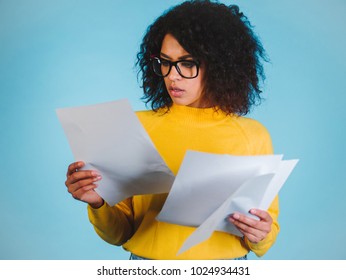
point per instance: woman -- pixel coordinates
(201, 67)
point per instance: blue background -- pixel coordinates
(67, 53)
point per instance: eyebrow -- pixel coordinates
(181, 57)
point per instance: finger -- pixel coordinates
(252, 234)
(82, 184)
(73, 167)
(81, 192)
(239, 223)
(251, 237)
(81, 175)
(249, 230)
(243, 219)
(263, 215)
(249, 224)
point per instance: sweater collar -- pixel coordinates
(192, 114)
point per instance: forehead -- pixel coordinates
(171, 47)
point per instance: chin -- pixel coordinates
(180, 102)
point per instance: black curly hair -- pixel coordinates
(219, 36)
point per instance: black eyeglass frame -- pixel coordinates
(175, 64)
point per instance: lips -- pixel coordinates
(176, 91)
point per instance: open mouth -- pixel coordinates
(175, 91)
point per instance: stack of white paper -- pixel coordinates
(210, 187)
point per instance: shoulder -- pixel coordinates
(149, 118)
(256, 133)
(146, 116)
(251, 126)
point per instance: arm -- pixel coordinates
(259, 235)
(112, 224)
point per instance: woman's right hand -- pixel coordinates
(81, 184)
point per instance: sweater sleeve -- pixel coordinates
(263, 246)
(113, 224)
(261, 144)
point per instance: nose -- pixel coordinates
(174, 74)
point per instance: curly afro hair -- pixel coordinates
(220, 37)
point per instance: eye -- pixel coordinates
(188, 64)
(165, 62)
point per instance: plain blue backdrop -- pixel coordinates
(70, 52)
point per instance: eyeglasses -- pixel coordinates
(186, 68)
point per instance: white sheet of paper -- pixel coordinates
(109, 138)
(209, 187)
(206, 180)
(218, 219)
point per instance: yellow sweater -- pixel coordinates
(132, 222)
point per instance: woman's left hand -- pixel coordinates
(254, 230)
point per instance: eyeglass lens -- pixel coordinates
(186, 68)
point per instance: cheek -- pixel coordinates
(199, 82)
(197, 86)
(166, 81)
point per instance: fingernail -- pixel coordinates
(94, 173)
(236, 216)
